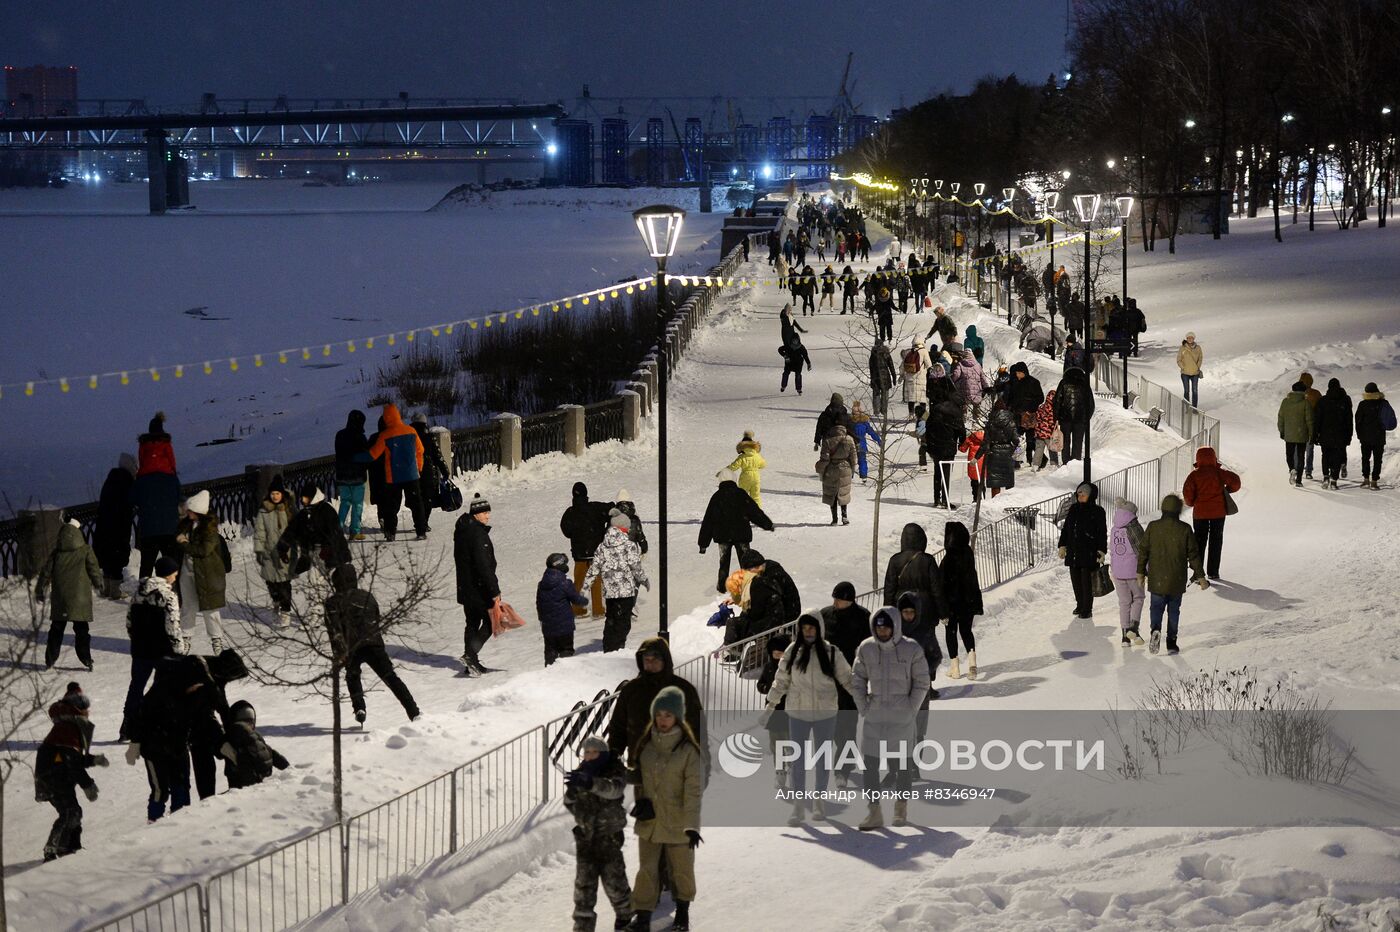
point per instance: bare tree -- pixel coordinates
(304, 657)
(895, 456)
(24, 690)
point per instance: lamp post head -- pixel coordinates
(1385, 111)
(1065, 174)
(660, 226)
(938, 184)
(1111, 163)
(1190, 123)
(1008, 194)
(1087, 206)
(1288, 118)
(1052, 200)
(923, 183)
(979, 187)
(1125, 206)
(954, 187)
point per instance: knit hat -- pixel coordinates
(1190, 335)
(74, 696)
(128, 462)
(1084, 488)
(157, 424)
(479, 505)
(1171, 504)
(748, 435)
(845, 591)
(420, 418)
(276, 485)
(619, 520)
(198, 502)
(557, 561)
(1122, 504)
(1300, 386)
(1372, 388)
(74, 522)
(751, 559)
(836, 398)
(726, 475)
(165, 566)
(594, 743)
(623, 496)
(670, 699)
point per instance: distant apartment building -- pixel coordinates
(41, 90)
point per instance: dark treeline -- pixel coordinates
(1278, 103)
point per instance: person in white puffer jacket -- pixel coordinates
(618, 561)
(810, 677)
(890, 681)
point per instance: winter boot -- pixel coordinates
(799, 812)
(360, 716)
(1344, 470)
(901, 813)
(216, 646)
(844, 518)
(622, 923)
(818, 810)
(1127, 641)
(1172, 648)
(954, 671)
(1293, 477)
(1134, 636)
(468, 669)
(641, 921)
(681, 922)
(1156, 643)
(874, 819)
(972, 664)
(284, 618)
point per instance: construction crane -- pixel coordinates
(844, 107)
(680, 142)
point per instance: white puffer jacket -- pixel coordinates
(890, 683)
(619, 562)
(811, 694)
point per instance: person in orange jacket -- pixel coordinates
(402, 450)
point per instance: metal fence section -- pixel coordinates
(542, 433)
(602, 421)
(178, 911)
(277, 890)
(401, 834)
(475, 448)
(502, 786)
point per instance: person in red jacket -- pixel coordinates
(1204, 492)
(402, 450)
(976, 462)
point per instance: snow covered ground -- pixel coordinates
(1308, 596)
(261, 266)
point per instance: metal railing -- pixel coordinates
(603, 421)
(181, 910)
(542, 433)
(287, 885)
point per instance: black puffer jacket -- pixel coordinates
(792, 600)
(352, 614)
(1000, 450)
(914, 569)
(1024, 394)
(632, 711)
(315, 529)
(1332, 419)
(730, 516)
(959, 571)
(352, 450)
(834, 413)
(1085, 531)
(475, 559)
(111, 540)
(584, 523)
(248, 760)
(1074, 399)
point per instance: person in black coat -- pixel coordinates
(914, 569)
(963, 591)
(845, 623)
(999, 448)
(584, 523)
(1332, 420)
(478, 591)
(351, 468)
(356, 630)
(1074, 406)
(1374, 418)
(209, 715)
(776, 574)
(1083, 543)
(943, 435)
(765, 609)
(160, 732)
(833, 414)
(729, 521)
(248, 760)
(794, 358)
(434, 466)
(555, 598)
(111, 540)
(314, 532)
(61, 768)
(1022, 398)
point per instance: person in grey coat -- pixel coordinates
(269, 524)
(889, 684)
(836, 467)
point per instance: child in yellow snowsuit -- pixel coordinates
(747, 464)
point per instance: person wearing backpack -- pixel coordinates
(1205, 492)
(1374, 418)
(248, 760)
(204, 576)
(914, 366)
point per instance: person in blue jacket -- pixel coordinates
(555, 598)
(865, 434)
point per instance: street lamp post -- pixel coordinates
(1386, 167)
(957, 220)
(938, 219)
(1087, 206)
(1052, 198)
(660, 226)
(1008, 194)
(1125, 210)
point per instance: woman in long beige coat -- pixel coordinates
(671, 770)
(836, 467)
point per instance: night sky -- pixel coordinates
(171, 51)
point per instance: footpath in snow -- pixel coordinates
(1297, 577)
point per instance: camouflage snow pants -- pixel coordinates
(599, 858)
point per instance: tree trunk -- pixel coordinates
(5, 770)
(879, 494)
(338, 786)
